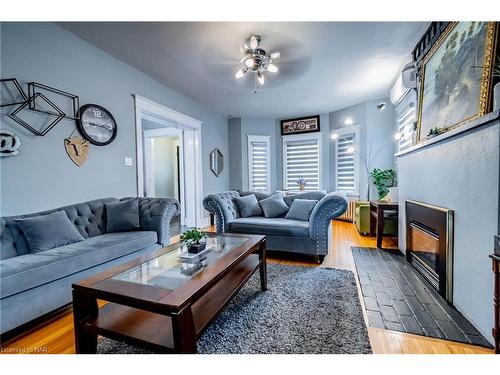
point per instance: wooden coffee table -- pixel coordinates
(162, 302)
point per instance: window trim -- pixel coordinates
(301, 137)
(267, 140)
(342, 132)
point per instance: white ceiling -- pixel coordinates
(324, 66)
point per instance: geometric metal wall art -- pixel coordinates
(11, 87)
(35, 87)
(59, 115)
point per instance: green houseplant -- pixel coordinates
(194, 240)
(383, 179)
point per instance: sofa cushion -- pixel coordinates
(271, 226)
(122, 216)
(301, 209)
(46, 232)
(28, 271)
(248, 206)
(274, 206)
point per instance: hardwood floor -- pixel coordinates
(56, 336)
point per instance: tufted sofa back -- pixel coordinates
(88, 218)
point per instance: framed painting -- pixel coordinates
(456, 76)
(300, 125)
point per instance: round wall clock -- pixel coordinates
(97, 125)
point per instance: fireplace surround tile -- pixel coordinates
(410, 304)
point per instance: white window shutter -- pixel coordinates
(259, 168)
(301, 160)
(345, 165)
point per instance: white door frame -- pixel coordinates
(192, 178)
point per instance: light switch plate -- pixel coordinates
(127, 161)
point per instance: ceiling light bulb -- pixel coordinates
(275, 55)
(254, 42)
(240, 73)
(348, 121)
(351, 149)
(260, 78)
(272, 68)
(334, 136)
(397, 136)
(249, 62)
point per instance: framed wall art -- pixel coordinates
(456, 77)
(300, 125)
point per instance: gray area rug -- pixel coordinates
(397, 298)
(305, 310)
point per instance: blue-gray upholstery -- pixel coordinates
(271, 225)
(41, 282)
(282, 234)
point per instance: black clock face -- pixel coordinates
(97, 125)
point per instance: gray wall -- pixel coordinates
(461, 174)
(376, 130)
(235, 154)
(42, 176)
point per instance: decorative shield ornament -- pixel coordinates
(77, 149)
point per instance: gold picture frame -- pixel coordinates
(473, 101)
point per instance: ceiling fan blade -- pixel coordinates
(275, 55)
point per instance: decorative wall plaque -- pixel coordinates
(300, 125)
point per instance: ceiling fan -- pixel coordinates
(256, 60)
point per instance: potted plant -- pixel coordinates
(383, 180)
(194, 240)
(302, 184)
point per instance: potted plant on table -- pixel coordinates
(383, 180)
(195, 240)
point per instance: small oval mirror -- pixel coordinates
(216, 162)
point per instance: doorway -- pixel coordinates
(169, 158)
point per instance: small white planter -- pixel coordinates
(393, 194)
(496, 97)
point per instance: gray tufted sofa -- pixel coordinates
(282, 234)
(32, 285)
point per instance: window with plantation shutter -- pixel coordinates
(259, 167)
(345, 164)
(406, 115)
(302, 159)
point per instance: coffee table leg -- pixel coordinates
(183, 331)
(263, 266)
(84, 306)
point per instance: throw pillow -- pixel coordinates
(301, 209)
(274, 206)
(46, 232)
(248, 206)
(122, 216)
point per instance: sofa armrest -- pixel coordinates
(155, 214)
(223, 207)
(328, 208)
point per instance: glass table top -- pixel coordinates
(172, 269)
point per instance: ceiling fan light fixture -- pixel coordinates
(250, 62)
(240, 73)
(254, 41)
(272, 68)
(256, 60)
(260, 78)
